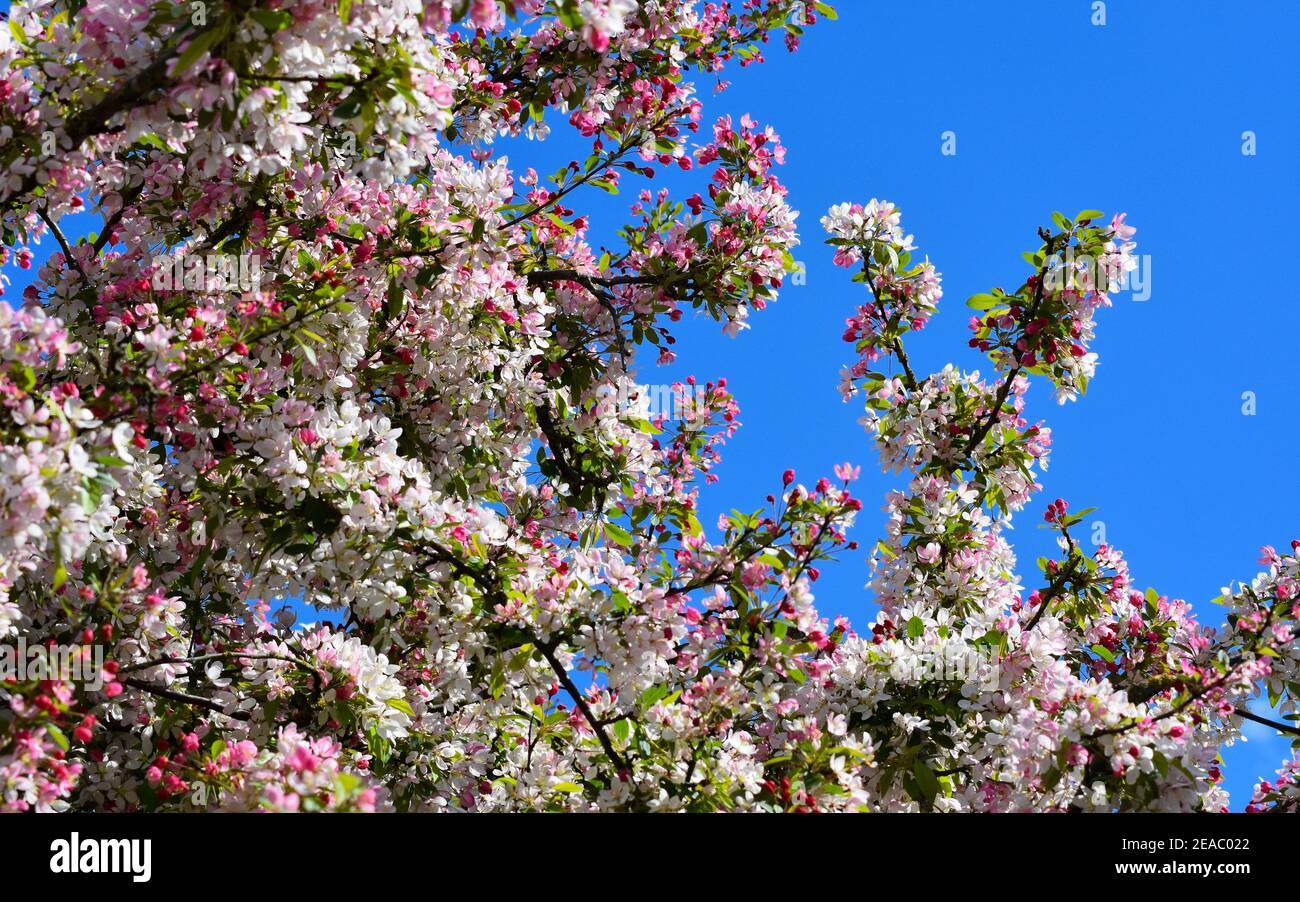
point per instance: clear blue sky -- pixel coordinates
(1144, 114)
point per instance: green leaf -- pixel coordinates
(567, 787)
(619, 534)
(308, 351)
(57, 735)
(520, 659)
(273, 20)
(915, 628)
(1104, 653)
(652, 695)
(402, 705)
(24, 376)
(395, 300)
(345, 10)
(346, 784)
(201, 44)
(925, 779)
(569, 15)
(983, 301)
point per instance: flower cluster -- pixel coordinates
(1047, 325)
(304, 774)
(405, 425)
(903, 296)
(1280, 794)
(1082, 694)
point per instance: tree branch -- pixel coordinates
(1280, 727)
(63, 243)
(548, 651)
(183, 697)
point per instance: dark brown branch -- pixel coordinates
(983, 429)
(896, 345)
(63, 244)
(558, 442)
(546, 648)
(129, 197)
(909, 376)
(183, 697)
(94, 121)
(236, 222)
(595, 285)
(548, 652)
(228, 655)
(129, 94)
(1280, 727)
(632, 140)
(1055, 586)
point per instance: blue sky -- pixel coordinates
(1143, 114)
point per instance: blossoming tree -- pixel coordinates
(407, 423)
